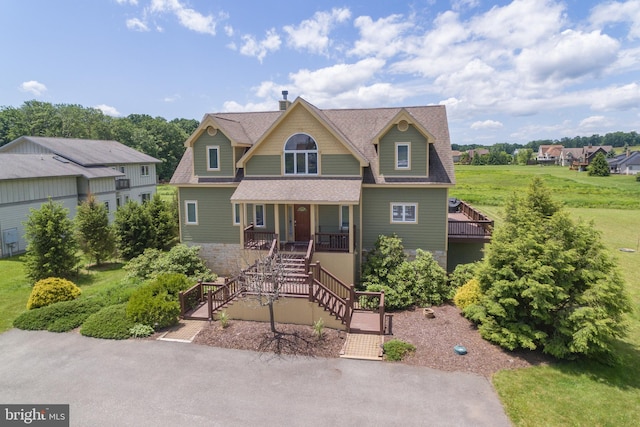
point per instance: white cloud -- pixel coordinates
(382, 37)
(171, 98)
(137, 25)
(259, 49)
(331, 81)
(487, 124)
(594, 122)
(108, 110)
(568, 55)
(228, 30)
(188, 18)
(615, 12)
(617, 98)
(33, 87)
(312, 34)
(132, 2)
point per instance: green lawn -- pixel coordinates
(572, 393)
(15, 287)
(166, 192)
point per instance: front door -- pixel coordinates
(302, 222)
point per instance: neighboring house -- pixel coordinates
(625, 164)
(455, 156)
(580, 158)
(328, 180)
(549, 154)
(477, 152)
(36, 169)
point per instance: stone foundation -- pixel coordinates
(224, 259)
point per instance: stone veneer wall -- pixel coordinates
(224, 259)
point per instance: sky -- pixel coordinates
(507, 71)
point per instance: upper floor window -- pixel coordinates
(213, 158)
(144, 170)
(403, 155)
(301, 155)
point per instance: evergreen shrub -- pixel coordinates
(59, 317)
(156, 304)
(52, 290)
(467, 294)
(108, 323)
(395, 350)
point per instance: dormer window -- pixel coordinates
(301, 155)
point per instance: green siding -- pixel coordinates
(463, 253)
(340, 165)
(430, 232)
(215, 220)
(329, 218)
(387, 149)
(227, 168)
(263, 165)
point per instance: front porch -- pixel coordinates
(323, 242)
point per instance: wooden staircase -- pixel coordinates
(360, 312)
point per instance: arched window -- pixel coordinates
(301, 155)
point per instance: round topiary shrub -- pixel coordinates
(109, 323)
(468, 294)
(52, 290)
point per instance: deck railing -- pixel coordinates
(333, 242)
(258, 239)
(478, 224)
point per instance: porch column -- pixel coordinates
(312, 224)
(276, 218)
(351, 228)
(243, 221)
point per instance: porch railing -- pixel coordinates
(258, 239)
(334, 242)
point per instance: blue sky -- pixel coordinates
(508, 71)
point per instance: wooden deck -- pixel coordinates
(365, 322)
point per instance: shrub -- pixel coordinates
(462, 274)
(223, 317)
(467, 294)
(140, 331)
(156, 304)
(423, 279)
(119, 293)
(386, 256)
(181, 259)
(318, 328)
(109, 323)
(59, 317)
(638, 177)
(396, 350)
(394, 298)
(52, 290)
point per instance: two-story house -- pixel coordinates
(334, 178)
(36, 169)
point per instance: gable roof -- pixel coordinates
(24, 166)
(622, 160)
(85, 152)
(357, 129)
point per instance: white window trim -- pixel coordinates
(404, 206)
(209, 148)
(264, 216)
(342, 216)
(403, 144)
(186, 212)
(236, 213)
(145, 170)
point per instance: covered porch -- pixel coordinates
(296, 211)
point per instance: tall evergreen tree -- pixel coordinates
(548, 282)
(51, 247)
(95, 235)
(163, 221)
(133, 229)
(599, 166)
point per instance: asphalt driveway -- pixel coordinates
(159, 383)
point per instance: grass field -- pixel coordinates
(572, 393)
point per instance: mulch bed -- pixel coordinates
(434, 339)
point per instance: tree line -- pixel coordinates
(615, 139)
(154, 136)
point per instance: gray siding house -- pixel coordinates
(333, 180)
(36, 169)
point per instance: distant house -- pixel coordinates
(625, 164)
(36, 169)
(549, 154)
(477, 152)
(455, 156)
(580, 158)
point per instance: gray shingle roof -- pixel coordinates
(23, 166)
(358, 128)
(86, 152)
